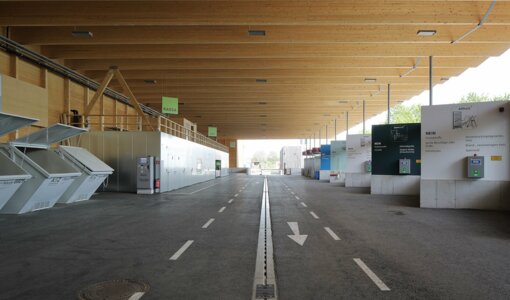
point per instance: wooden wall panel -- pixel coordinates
(25, 99)
(29, 73)
(56, 98)
(4, 63)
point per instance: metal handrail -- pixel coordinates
(19, 50)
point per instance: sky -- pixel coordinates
(491, 78)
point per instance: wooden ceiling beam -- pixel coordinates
(295, 12)
(269, 63)
(382, 75)
(161, 84)
(272, 50)
(160, 35)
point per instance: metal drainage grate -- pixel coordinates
(122, 289)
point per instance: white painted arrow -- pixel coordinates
(296, 237)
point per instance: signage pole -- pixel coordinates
(326, 134)
(389, 95)
(335, 129)
(347, 125)
(363, 116)
(431, 94)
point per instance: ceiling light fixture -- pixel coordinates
(262, 103)
(261, 80)
(426, 32)
(82, 34)
(262, 116)
(343, 102)
(444, 78)
(370, 80)
(257, 32)
(150, 81)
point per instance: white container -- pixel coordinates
(51, 174)
(94, 173)
(11, 175)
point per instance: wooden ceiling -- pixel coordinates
(314, 56)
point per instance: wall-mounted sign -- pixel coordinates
(170, 105)
(212, 131)
(394, 146)
(232, 144)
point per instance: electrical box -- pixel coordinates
(148, 175)
(404, 166)
(475, 166)
(368, 166)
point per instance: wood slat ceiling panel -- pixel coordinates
(314, 56)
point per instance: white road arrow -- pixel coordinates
(296, 237)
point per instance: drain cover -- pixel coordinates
(123, 289)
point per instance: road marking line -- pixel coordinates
(230, 201)
(222, 209)
(236, 195)
(380, 284)
(333, 235)
(314, 215)
(297, 198)
(181, 251)
(136, 296)
(304, 204)
(208, 223)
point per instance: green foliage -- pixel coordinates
(269, 160)
(406, 114)
(474, 97)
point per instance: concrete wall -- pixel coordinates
(357, 179)
(394, 185)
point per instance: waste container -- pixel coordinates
(51, 174)
(11, 175)
(94, 173)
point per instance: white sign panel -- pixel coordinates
(452, 132)
(359, 151)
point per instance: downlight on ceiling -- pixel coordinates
(343, 102)
(150, 81)
(445, 78)
(257, 32)
(261, 80)
(423, 32)
(370, 80)
(82, 34)
(262, 116)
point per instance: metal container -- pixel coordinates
(94, 173)
(11, 175)
(51, 174)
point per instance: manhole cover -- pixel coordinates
(124, 289)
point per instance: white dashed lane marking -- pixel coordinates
(181, 250)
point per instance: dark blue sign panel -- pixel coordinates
(396, 149)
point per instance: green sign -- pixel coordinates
(212, 131)
(170, 105)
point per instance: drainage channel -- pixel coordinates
(264, 283)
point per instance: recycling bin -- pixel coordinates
(51, 174)
(11, 175)
(94, 173)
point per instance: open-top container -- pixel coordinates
(94, 173)
(51, 174)
(11, 175)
